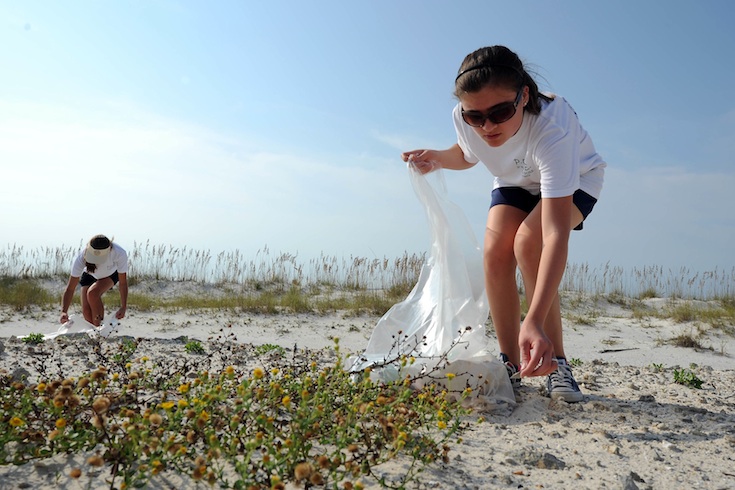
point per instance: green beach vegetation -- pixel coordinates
(294, 419)
(291, 418)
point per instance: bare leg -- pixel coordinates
(86, 309)
(92, 306)
(552, 327)
(500, 277)
(527, 248)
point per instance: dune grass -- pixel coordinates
(269, 283)
(22, 293)
(272, 283)
(265, 270)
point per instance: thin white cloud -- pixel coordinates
(149, 178)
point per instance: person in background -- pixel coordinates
(548, 177)
(97, 268)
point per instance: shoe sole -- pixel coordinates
(569, 397)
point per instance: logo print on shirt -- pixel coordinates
(526, 170)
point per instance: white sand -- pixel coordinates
(636, 428)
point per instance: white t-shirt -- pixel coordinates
(551, 153)
(117, 260)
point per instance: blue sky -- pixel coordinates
(239, 125)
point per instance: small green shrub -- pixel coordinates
(266, 348)
(34, 338)
(125, 351)
(657, 368)
(687, 378)
(302, 423)
(194, 347)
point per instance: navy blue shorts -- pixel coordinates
(522, 199)
(88, 279)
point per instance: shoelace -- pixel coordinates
(562, 376)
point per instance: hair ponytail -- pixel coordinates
(497, 66)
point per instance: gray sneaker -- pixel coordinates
(561, 384)
(515, 381)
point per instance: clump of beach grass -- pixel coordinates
(20, 293)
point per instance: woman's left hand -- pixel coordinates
(537, 351)
(120, 313)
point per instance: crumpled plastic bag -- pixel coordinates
(79, 325)
(437, 334)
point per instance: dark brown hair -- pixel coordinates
(497, 66)
(100, 242)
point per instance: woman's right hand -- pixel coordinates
(64, 317)
(424, 161)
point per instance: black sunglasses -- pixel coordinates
(497, 114)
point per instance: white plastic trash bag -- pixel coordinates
(437, 334)
(79, 325)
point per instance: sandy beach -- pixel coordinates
(636, 428)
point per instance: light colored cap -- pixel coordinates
(96, 255)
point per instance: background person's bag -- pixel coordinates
(441, 324)
(79, 325)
